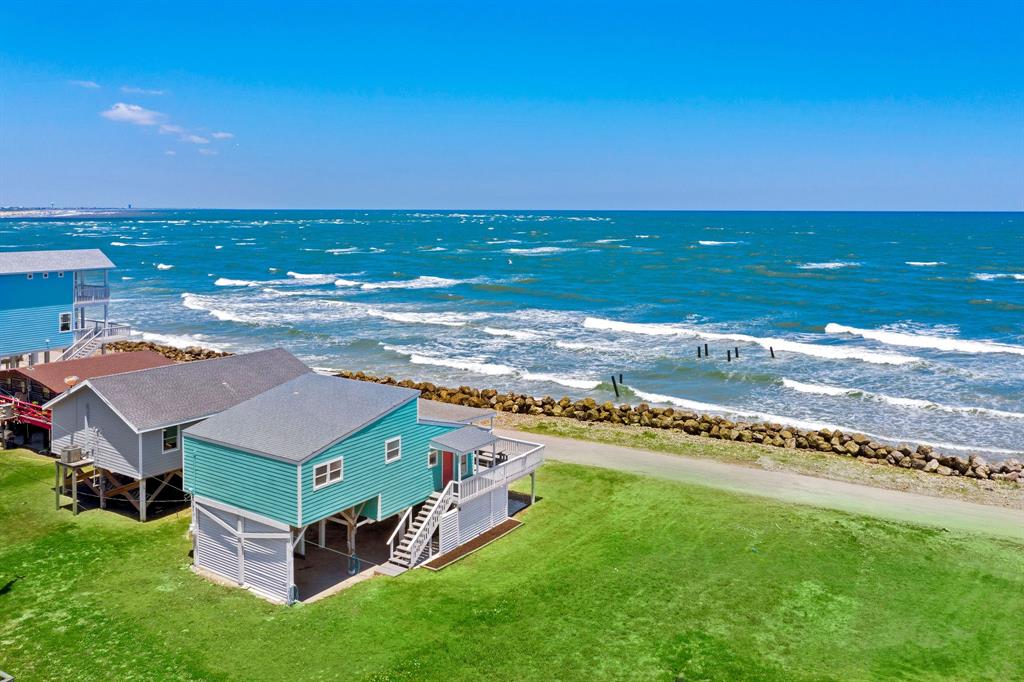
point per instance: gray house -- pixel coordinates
(130, 424)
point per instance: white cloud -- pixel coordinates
(140, 91)
(132, 113)
(207, 152)
(222, 135)
(170, 152)
(169, 128)
(194, 139)
(85, 84)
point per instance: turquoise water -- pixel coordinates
(906, 326)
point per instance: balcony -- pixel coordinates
(89, 293)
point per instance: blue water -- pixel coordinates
(906, 326)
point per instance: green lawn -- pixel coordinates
(613, 576)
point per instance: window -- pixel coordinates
(46, 275)
(171, 438)
(433, 457)
(392, 450)
(60, 274)
(328, 473)
(65, 322)
(29, 276)
(462, 465)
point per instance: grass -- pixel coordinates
(613, 576)
(824, 465)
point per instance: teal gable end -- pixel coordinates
(367, 477)
(241, 479)
(30, 312)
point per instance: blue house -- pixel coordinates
(54, 301)
(318, 450)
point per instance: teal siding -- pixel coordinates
(258, 484)
(30, 312)
(399, 484)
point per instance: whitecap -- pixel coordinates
(833, 265)
(181, 340)
(346, 283)
(422, 282)
(705, 242)
(163, 266)
(989, 276)
(539, 251)
(924, 341)
(225, 282)
(784, 345)
(470, 365)
(511, 333)
(917, 403)
(444, 319)
(570, 382)
(924, 263)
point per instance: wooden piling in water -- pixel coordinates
(772, 351)
(728, 356)
(698, 352)
(615, 386)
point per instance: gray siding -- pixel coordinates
(110, 441)
(261, 564)
(154, 460)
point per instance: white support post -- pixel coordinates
(301, 548)
(533, 487)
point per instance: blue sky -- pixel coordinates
(867, 106)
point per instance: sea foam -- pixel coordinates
(832, 265)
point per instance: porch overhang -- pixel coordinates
(465, 440)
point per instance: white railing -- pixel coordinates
(83, 341)
(531, 456)
(400, 530)
(91, 292)
(421, 539)
(94, 329)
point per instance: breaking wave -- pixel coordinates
(539, 251)
(821, 389)
(422, 282)
(812, 349)
(804, 424)
(511, 333)
(923, 341)
(989, 276)
(924, 263)
(225, 282)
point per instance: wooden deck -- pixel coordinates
(499, 531)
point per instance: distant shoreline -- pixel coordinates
(62, 212)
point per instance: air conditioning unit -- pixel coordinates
(71, 455)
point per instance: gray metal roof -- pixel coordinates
(466, 439)
(18, 262)
(302, 417)
(153, 398)
(434, 411)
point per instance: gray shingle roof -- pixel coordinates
(302, 417)
(18, 262)
(466, 439)
(152, 398)
(432, 410)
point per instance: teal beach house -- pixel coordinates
(339, 460)
(54, 305)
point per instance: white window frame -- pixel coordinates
(60, 323)
(177, 438)
(433, 458)
(29, 275)
(326, 466)
(60, 274)
(464, 464)
(46, 275)
(387, 447)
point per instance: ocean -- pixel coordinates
(905, 326)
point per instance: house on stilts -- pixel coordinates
(322, 479)
(120, 435)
